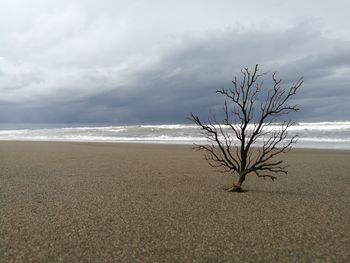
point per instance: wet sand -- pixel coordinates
(93, 202)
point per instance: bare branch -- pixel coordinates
(258, 139)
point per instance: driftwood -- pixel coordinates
(243, 142)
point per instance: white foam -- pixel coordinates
(320, 134)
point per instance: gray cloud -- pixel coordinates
(136, 64)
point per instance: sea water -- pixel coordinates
(324, 135)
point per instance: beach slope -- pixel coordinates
(97, 202)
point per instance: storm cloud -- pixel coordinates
(150, 62)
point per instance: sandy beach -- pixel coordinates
(95, 202)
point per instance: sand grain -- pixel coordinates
(91, 202)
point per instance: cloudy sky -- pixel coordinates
(154, 61)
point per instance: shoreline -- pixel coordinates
(155, 143)
(74, 201)
(315, 135)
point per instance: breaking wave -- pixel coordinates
(332, 135)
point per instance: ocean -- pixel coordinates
(321, 135)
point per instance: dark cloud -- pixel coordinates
(172, 78)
